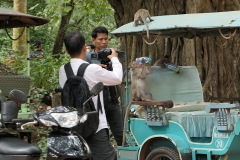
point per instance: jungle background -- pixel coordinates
(217, 58)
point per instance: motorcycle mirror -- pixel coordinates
(83, 118)
(18, 96)
(96, 89)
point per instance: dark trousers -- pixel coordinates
(113, 113)
(114, 119)
(100, 146)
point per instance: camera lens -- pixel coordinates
(102, 54)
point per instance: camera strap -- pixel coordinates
(113, 94)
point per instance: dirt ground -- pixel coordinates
(4, 70)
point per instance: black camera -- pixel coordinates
(103, 53)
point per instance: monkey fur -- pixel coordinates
(140, 73)
(141, 16)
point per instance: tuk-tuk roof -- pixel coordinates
(12, 19)
(186, 25)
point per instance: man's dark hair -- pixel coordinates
(99, 29)
(37, 43)
(74, 42)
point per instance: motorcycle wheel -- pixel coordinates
(163, 153)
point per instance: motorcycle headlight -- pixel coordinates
(66, 120)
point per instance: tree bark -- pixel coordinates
(19, 43)
(58, 44)
(217, 58)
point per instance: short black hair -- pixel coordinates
(74, 42)
(99, 29)
(37, 43)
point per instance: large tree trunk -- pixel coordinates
(58, 44)
(217, 58)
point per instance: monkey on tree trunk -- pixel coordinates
(138, 83)
(141, 16)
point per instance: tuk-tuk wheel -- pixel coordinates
(165, 153)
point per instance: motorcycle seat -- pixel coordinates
(16, 146)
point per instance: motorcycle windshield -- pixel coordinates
(66, 117)
(60, 109)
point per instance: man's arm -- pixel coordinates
(109, 78)
(96, 73)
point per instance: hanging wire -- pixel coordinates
(17, 37)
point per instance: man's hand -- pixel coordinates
(103, 65)
(114, 54)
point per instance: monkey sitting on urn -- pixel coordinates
(139, 75)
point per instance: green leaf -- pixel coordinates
(67, 1)
(67, 9)
(33, 7)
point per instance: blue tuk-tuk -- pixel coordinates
(178, 124)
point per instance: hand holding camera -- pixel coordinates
(113, 54)
(108, 53)
(105, 55)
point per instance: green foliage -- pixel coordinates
(42, 144)
(16, 61)
(37, 93)
(5, 43)
(87, 15)
(93, 13)
(44, 73)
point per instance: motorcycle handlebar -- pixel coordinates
(23, 120)
(92, 112)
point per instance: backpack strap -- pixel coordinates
(99, 105)
(68, 70)
(80, 73)
(82, 69)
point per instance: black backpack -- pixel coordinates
(75, 92)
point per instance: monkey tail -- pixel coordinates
(150, 43)
(147, 29)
